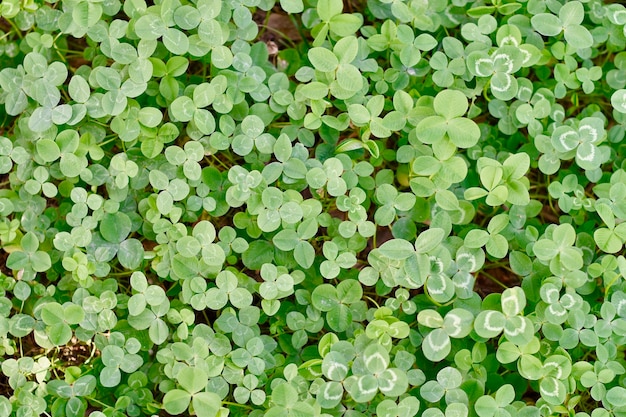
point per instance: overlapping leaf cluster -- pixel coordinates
(199, 219)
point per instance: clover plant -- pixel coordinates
(312, 208)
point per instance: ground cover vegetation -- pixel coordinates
(312, 208)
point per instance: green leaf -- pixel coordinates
(192, 379)
(339, 318)
(304, 254)
(158, 331)
(400, 249)
(21, 325)
(508, 352)
(578, 36)
(480, 11)
(393, 382)
(110, 377)
(486, 406)
(258, 253)
(292, 6)
(463, 132)
(436, 345)
(59, 333)
(504, 86)
(517, 165)
(284, 395)
(115, 227)
(334, 366)
(150, 27)
(607, 240)
(552, 390)
(359, 114)
(323, 59)
(508, 9)
(346, 49)
(182, 109)
(206, 404)
(286, 239)
(176, 401)
(85, 385)
(432, 391)
(349, 77)
(618, 100)
(324, 297)
(431, 129)
(476, 238)
(52, 313)
(73, 313)
(326, 9)
(497, 246)
(450, 104)
(572, 13)
(48, 150)
(458, 323)
(428, 240)
(346, 24)
(616, 396)
(86, 14)
(330, 394)
(130, 253)
(513, 301)
(547, 24)
(376, 358)
(489, 324)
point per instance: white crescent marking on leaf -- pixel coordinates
(565, 135)
(506, 87)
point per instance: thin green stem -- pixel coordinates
(219, 161)
(17, 30)
(494, 279)
(229, 403)
(99, 402)
(92, 355)
(69, 52)
(485, 88)
(265, 24)
(108, 141)
(300, 30)
(121, 274)
(373, 301)
(282, 35)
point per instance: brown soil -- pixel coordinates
(276, 30)
(75, 353)
(3, 263)
(489, 280)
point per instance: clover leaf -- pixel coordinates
(500, 67)
(517, 328)
(570, 17)
(336, 302)
(29, 257)
(377, 376)
(457, 323)
(448, 125)
(503, 182)
(58, 319)
(585, 141)
(192, 380)
(489, 406)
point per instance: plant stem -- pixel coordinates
(373, 301)
(247, 407)
(494, 279)
(17, 30)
